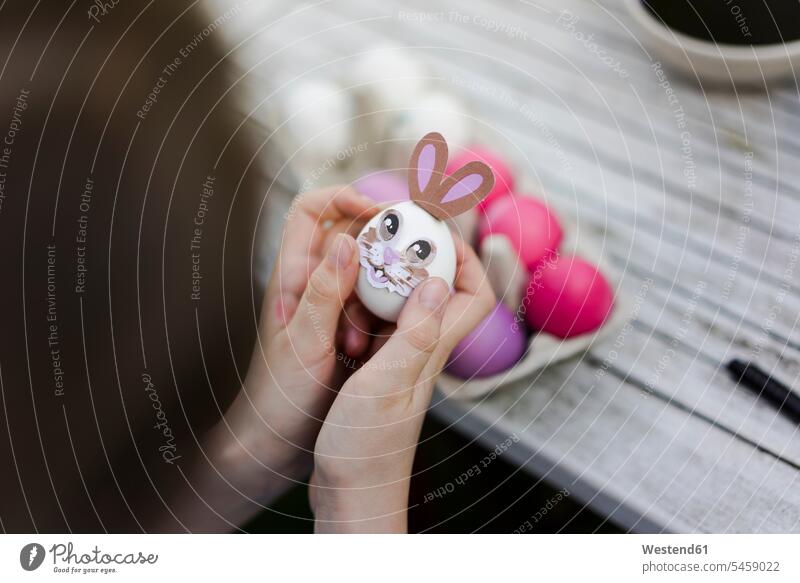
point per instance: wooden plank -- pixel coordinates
(660, 359)
(653, 459)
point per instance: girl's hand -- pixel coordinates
(293, 375)
(365, 449)
(257, 449)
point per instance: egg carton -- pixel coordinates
(544, 349)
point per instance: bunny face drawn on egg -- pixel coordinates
(395, 257)
(409, 241)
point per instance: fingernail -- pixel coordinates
(363, 197)
(341, 252)
(433, 293)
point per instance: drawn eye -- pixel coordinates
(390, 224)
(420, 252)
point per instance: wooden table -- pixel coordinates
(694, 195)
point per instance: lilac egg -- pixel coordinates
(496, 344)
(382, 186)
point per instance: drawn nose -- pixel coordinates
(389, 256)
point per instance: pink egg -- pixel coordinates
(567, 297)
(495, 345)
(503, 178)
(530, 226)
(382, 186)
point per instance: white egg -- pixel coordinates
(398, 249)
(436, 109)
(318, 118)
(389, 77)
(385, 80)
(242, 20)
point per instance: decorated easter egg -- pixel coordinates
(495, 345)
(567, 297)
(410, 241)
(528, 224)
(399, 249)
(382, 186)
(503, 177)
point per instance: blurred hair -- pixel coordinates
(87, 158)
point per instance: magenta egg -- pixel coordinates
(531, 227)
(496, 344)
(567, 297)
(382, 186)
(503, 177)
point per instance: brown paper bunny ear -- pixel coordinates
(445, 196)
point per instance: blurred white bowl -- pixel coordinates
(714, 62)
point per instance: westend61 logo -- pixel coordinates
(66, 560)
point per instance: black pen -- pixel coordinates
(749, 375)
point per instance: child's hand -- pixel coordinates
(292, 378)
(365, 450)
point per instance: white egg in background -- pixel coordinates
(398, 249)
(318, 118)
(435, 109)
(389, 77)
(385, 80)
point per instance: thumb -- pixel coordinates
(410, 348)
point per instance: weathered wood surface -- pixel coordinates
(646, 428)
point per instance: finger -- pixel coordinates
(313, 212)
(294, 270)
(313, 326)
(351, 227)
(301, 245)
(279, 305)
(473, 300)
(409, 349)
(356, 329)
(296, 266)
(470, 275)
(334, 203)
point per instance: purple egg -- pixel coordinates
(496, 344)
(382, 186)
